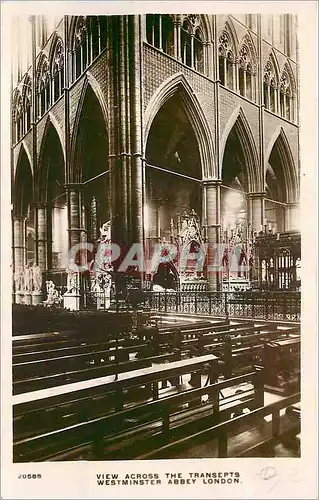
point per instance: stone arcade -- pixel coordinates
(173, 128)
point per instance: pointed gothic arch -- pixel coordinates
(23, 183)
(52, 128)
(274, 62)
(289, 171)
(91, 83)
(230, 29)
(89, 159)
(239, 123)
(288, 70)
(247, 40)
(247, 67)
(178, 84)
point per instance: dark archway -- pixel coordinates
(91, 164)
(280, 185)
(235, 230)
(173, 181)
(173, 171)
(234, 183)
(23, 203)
(52, 191)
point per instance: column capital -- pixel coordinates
(40, 204)
(260, 194)
(73, 186)
(212, 182)
(19, 218)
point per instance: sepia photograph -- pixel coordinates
(155, 233)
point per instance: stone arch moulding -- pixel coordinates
(229, 27)
(178, 84)
(22, 147)
(249, 42)
(288, 164)
(91, 81)
(245, 135)
(287, 67)
(271, 56)
(54, 41)
(207, 28)
(50, 119)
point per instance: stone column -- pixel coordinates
(256, 211)
(292, 222)
(211, 197)
(19, 254)
(41, 241)
(192, 52)
(72, 298)
(160, 32)
(176, 45)
(75, 229)
(19, 244)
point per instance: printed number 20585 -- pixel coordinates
(29, 476)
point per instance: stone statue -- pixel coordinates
(37, 278)
(53, 295)
(72, 283)
(19, 279)
(105, 232)
(28, 279)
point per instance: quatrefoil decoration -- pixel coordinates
(224, 39)
(192, 18)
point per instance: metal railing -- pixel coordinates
(266, 305)
(279, 306)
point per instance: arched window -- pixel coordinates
(199, 51)
(80, 48)
(19, 129)
(164, 35)
(266, 94)
(221, 65)
(272, 95)
(230, 69)
(57, 70)
(226, 60)
(246, 69)
(287, 94)
(153, 29)
(27, 103)
(97, 36)
(89, 39)
(95, 45)
(186, 44)
(160, 32)
(270, 86)
(241, 80)
(44, 90)
(282, 99)
(27, 114)
(249, 82)
(168, 35)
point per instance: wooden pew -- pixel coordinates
(223, 432)
(55, 398)
(123, 433)
(84, 347)
(45, 366)
(245, 352)
(282, 365)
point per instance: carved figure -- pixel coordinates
(37, 278)
(19, 279)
